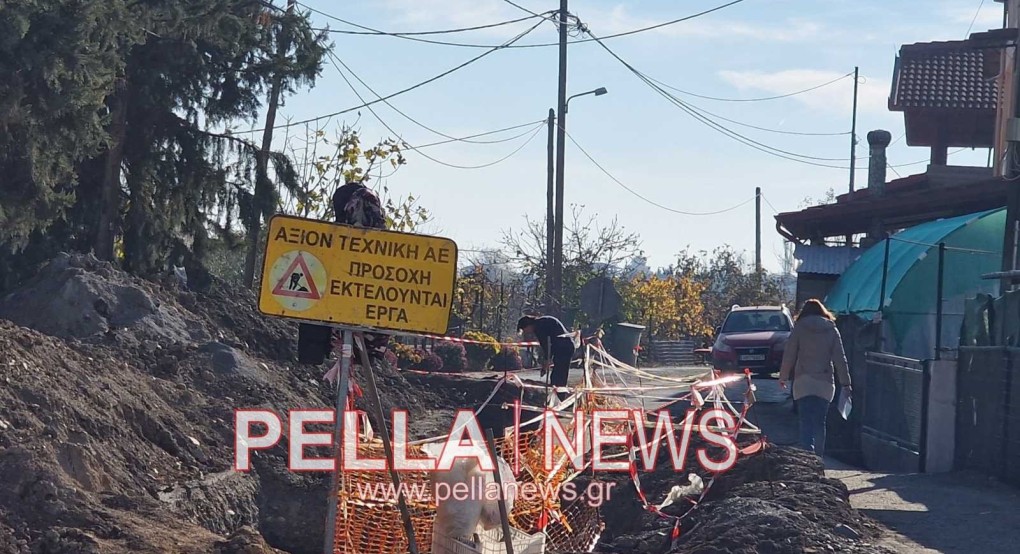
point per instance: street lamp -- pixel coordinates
(597, 92)
(557, 258)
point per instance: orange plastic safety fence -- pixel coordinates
(369, 522)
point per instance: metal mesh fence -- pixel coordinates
(895, 393)
(987, 423)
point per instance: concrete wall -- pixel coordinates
(941, 417)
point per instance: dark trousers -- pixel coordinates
(562, 354)
(812, 412)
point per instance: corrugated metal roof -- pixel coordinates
(859, 288)
(825, 260)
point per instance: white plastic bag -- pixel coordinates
(845, 404)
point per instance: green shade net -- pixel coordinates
(974, 248)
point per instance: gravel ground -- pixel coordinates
(921, 513)
(950, 513)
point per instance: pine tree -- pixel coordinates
(107, 112)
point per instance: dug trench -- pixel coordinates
(117, 400)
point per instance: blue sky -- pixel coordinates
(753, 49)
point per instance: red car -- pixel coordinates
(752, 338)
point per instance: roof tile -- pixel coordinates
(946, 75)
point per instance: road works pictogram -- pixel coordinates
(298, 278)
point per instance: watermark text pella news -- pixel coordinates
(256, 429)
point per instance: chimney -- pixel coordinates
(878, 141)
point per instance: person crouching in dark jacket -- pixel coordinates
(557, 349)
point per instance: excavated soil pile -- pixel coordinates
(117, 400)
(775, 501)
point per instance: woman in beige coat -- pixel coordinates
(813, 351)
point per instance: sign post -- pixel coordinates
(346, 355)
(357, 279)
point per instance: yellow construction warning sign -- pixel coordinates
(329, 273)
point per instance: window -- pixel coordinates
(756, 321)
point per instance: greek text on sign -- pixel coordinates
(319, 271)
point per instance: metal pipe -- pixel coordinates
(885, 275)
(853, 131)
(922, 446)
(938, 307)
(550, 216)
(1016, 246)
(346, 354)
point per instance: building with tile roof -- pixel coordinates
(948, 93)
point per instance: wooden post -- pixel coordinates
(338, 432)
(504, 516)
(374, 400)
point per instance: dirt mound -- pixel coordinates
(82, 297)
(774, 501)
(117, 418)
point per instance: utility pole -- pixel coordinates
(550, 218)
(757, 229)
(560, 155)
(853, 144)
(262, 161)
(853, 131)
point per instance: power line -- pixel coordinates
(777, 152)
(766, 129)
(646, 199)
(973, 21)
(520, 7)
(370, 31)
(919, 162)
(335, 59)
(762, 99)
(667, 23)
(538, 45)
(406, 36)
(774, 210)
(413, 87)
(531, 126)
(718, 127)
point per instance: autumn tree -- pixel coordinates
(726, 278)
(669, 306)
(325, 163)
